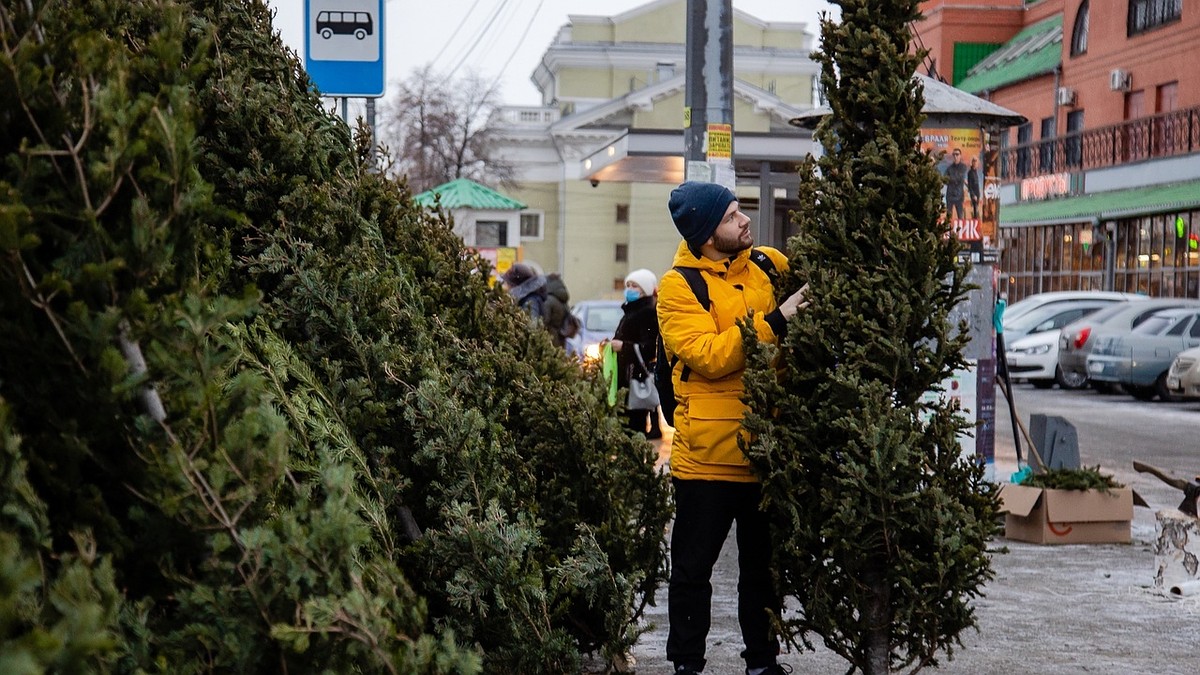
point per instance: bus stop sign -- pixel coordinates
(343, 46)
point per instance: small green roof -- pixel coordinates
(463, 193)
(1036, 50)
(1105, 205)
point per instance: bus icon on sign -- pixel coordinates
(358, 24)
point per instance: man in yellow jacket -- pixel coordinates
(713, 484)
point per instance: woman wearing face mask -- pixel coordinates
(638, 327)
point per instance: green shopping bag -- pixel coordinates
(608, 370)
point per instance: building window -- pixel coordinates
(1024, 152)
(1169, 136)
(621, 254)
(1147, 15)
(1005, 162)
(491, 233)
(1046, 147)
(1074, 140)
(1134, 140)
(622, 213)
(1080, 34)
(531, 225)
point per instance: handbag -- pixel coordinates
(643, 394)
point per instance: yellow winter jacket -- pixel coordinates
(708, 374)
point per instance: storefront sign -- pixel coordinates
(1045, 187)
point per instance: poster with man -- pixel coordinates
(971, 189)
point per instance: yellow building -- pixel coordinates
(597, 161)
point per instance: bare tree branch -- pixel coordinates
(441, 130)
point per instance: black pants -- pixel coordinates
(704, 512)
(637, 422)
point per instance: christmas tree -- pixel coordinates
(881, 525)
(261, 413)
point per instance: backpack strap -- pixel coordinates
(764, 262)
(695, 281)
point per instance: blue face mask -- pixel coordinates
(632, 294)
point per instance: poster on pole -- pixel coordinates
(344, 47)
(970, 190)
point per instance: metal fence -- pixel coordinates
(1163, 135)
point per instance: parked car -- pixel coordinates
(1139, 360)
(1041, 299)
(598, 321)
(1077, 339)
(1051, 317)
(1183, 379)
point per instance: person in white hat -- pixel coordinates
(638, 332)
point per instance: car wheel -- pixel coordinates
(326, 33)
(1141, 393)
(360, 34)
(1160, 387)
(1070, 380)
(1042, 384)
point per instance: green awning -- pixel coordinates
(1111, 205)
(1037, 50)
(467, 194)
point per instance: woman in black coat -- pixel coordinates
(638, 327)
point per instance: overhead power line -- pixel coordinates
(462, 24)
(475, 41)
(520, 42)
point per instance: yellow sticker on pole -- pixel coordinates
(720, 141)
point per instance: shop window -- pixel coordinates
(1079, 35)
(1145, 15)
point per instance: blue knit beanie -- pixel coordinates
(697, 209)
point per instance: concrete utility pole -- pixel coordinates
(708, 94)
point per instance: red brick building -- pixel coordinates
(1101, 187)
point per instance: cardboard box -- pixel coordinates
(1045, 516)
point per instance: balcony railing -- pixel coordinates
(1164, 135)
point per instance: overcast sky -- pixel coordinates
(501, 39)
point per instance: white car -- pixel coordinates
(1039, 300)
(1183, 379)
(1035, 358)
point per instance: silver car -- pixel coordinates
(598, 321)
(1139, 360)
(1076, 340)
(1051, 317)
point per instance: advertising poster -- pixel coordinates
(501, 258)
(971, 189)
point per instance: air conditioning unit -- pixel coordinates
(1064, 96)
(1120, 80)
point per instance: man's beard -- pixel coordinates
(731, 245)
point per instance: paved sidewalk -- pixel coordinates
(1050, 609)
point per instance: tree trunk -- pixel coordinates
(877, 616)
